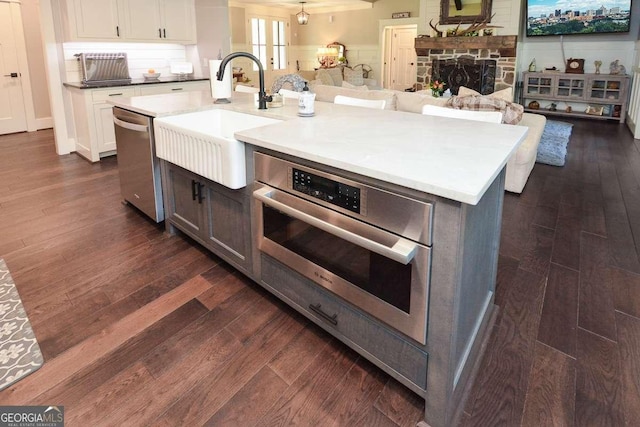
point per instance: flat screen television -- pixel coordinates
(560, 17)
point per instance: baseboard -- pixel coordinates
(44, 123)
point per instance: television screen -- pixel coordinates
(559, 17)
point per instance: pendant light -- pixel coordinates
(303, 17)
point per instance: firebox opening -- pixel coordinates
(476, 74)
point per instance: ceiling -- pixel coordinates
(310, 5)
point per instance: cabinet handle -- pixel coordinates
(324, 316)
(115, 94)
(193, 190)
(118, 30)
(164, 33)
(177, 88)
(200, 196)
(160, 32)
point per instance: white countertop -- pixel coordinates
(452, 158)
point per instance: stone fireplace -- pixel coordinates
(476, 74)
(499, 50)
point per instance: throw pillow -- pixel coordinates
(324, 77)
(350, 86)
(354, 77)
(504, 94)
(336, 75)
(511, 112)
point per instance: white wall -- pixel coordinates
(549, 53)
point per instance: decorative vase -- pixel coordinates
(437, 93)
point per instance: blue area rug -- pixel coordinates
(552, 149)
(19, 351)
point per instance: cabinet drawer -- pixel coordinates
(104, 94)
(154, 89)
(390, 351)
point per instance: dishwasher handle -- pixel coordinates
(130, 126)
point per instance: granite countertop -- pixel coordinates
(452, 158)
(134, 82)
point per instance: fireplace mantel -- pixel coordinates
(505, 44)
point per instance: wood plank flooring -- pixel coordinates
(139, 328)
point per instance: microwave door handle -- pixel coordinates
(403, 251)
(130, 126)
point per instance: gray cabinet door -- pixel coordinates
(185, 195)
(215, 216)
(227, 223)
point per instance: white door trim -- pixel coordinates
(53, 61)
(385, 24)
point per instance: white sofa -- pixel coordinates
(340, 77)
(520, 164)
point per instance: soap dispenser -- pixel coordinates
(306, 102)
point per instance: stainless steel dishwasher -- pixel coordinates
(138, 165)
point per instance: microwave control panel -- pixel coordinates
(329, 190)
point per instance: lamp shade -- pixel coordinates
(302, 16)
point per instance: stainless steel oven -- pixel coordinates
(367, 245)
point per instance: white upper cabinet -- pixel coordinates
(161, 20)
(131, 20)
(179, 20)
(142, 18)
(95, 19)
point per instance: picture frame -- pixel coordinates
(398, 15)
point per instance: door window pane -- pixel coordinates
(259, 40)
(279, 45)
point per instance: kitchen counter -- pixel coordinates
(135, 82)
(451, 158)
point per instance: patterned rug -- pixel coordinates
(552, 149)
(19, 351)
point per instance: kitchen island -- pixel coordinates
(454, 168)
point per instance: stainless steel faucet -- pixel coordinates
(262, 95)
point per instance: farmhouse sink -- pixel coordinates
(203, 143)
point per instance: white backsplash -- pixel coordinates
(140, 56)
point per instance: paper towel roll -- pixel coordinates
(220, 89)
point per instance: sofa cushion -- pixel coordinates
(348, 85)
(328, 93)
(413, 102)
(353, 77)
(511, 112)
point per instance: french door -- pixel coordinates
(269, 38)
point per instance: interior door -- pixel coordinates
(403, 58)
(270, 42)
(12, 110)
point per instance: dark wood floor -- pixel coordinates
(139, 328)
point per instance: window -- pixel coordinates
(279, 46)
(259, 41)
